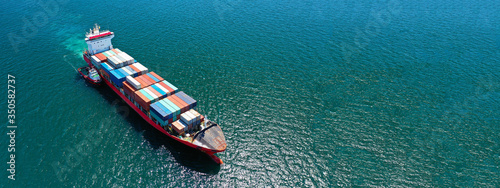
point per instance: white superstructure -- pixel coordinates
(99, 41)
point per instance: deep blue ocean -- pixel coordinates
(328, 93)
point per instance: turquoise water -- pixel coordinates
(308, 93)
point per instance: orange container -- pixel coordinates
(156, 76)
(185, 106)
(148, 78)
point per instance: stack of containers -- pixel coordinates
(181, 104)
(129, 88)
(161, 114)
(170, 85)
(143, 98)
(186, 98)
(196, 115)
(101, 57)
(107, 69)
(173, 108)
(107, 54)
(95, 61)
(117, 77)
(115, 62)
(188, 119)
(127, 58)
(167, 89)
(133, 82)
(179, 127)
(141, 68)
(154, 96)
(116, 50)
(139, 72)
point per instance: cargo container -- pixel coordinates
(178, 127)
(172, 110)
(152, 77)
(152, 94)
(143, 84)
(168, 93)
(142, 100)
(145, 76)
(167, 114)
(141, 67)
(122, 60)
(116, 51)
(111, 52)
(176, 103)
(148, 83)
(170, 90)
(136, 70)
(158, 94)
(170, 85)
(129, 89)
(176, 109)
(183, 105)
(157, 89)
(133, 82)
(192, 102)
(156, 76)
(101, 57)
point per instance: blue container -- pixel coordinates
(106, 67)
(183, 98)
(165, 105)
(177, 109)
(192, 103)
(155, 108)
(146, 94)
(125, 74)
(174, 109)
(153, 77)
(168, 114)
(156, 115)
(134, 73)
(163, 94)
(170, 85)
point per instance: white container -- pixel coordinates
(151, 94)
(141, 67)
(95, 59)
(127, 71)
(162, 88)
(115, 62)
(133, 82)
(121, 59)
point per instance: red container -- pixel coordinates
(135, 69)
(146, 81)
(170, 90)
(101, 57)
(142, 100)
(155, 92)
(177, 103)
(185, 106)
(116, 51)
(156, 76)
(128, 89)
(178, 127)
(143, 84)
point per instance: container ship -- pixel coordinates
(155, 99)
